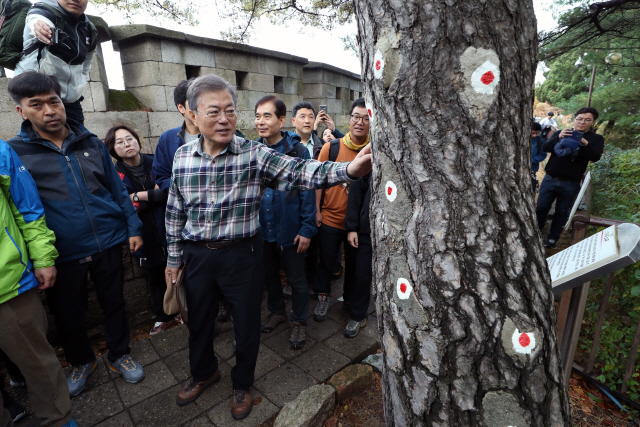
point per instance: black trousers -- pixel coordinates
(74, 111)
(293, 264)
(360, 293)
(157, 289)
(330, 239)
(68, 303)
(311, 259)
(237, 273)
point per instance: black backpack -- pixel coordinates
(14, 13)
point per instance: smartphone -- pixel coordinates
(323, 108)
(573, 140)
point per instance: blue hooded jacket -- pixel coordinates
(537, 154)
(86, 204)
(293, 212)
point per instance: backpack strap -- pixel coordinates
(59, 18)
(334, 149)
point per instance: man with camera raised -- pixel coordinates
(60, 41)
(571, 151)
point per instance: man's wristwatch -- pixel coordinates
(135, 197)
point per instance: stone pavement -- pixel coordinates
(281, 374)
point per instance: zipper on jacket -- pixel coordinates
(83, 202)
(81, 171)
(19, 251)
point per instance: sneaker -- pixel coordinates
(77, 379)
(130, 370)
(320, 313)
(17, 382)
(16, 411)
(194, 389)
(338, 269)
(353, 327)
(241, 405)
(550, 243)
(224, 313)
(162, 326)
(178, 319)
(272, 321)
(287, 292)
(297, 339)
(71, 423)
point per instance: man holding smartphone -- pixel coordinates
(571, 151)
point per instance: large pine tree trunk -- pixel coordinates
(464, 301)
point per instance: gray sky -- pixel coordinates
(312, 43)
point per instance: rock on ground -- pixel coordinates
(309, 409)
(351, 380)
(374, 360)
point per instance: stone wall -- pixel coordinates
(154, 60)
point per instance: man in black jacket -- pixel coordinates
(562, 181)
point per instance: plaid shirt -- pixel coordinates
(218, 198)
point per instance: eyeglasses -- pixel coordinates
(216, 114)
(583, 120)
(129, 140)
(355, 118)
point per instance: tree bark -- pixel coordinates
(465, 307)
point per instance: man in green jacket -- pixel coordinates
(27, 258)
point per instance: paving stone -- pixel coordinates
(280, 344)
(351, 380)
(320, 331)
(221, 414)
(284, 326)
(223, 345)
(310, 409)
(371, 330)
(121, 420)
(171, 341)
(201, 421)
(339, 314)
(355, 349)
(268, 360)
(93, 406)
(217, 392)
(178, 364)
(284, 384)
(144, 352)
(157, 378)
(321, 362)
(162, 410)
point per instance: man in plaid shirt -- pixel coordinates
(213, 228)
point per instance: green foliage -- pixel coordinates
(563, 80)
(176, 11)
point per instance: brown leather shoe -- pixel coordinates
(241, 405)
(194, 389)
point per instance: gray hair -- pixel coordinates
(209, 83)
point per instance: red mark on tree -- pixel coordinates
(370, 113)
(487, 77)
(378, 65)
(403, 286)
(524, 340)
(389, 190)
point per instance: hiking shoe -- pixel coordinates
(272, 321)
(241, 405)
(320, 313)
(224, 313)
(194, 389)
(162, 326)
(16, 411)
(338, 269)
(17, 382)
(71, 423)
(550, 243)
(77, 379)
(298, 337)
(353, 327)
(130, 370)
(287, 292)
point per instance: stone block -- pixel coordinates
(100, 95)
(152, 97)
(140, 50)
(355, 85)
(87, 102)
(171, 341)
(245, 119)
(162, 410)
(93, 406)
(157, 379)
(171, 74)
(259, 82)
(230, 60)
(320, 331)
(172, 51)
(355, 349)
(247, 99)
(6, 103)
(221, 415)
(295, 70)
(292, 86)
(121, 420)
(98, 72)
(100, 123)
(335, 79)
(284, 384)
(334, 106)
(375, 361)
(178, 364)
(321, 362)
(138, 74)
(144, 352)
(171, 106)
(161, 122)
(351, 380)
(151, 144)
(228, 75)
(198, 55)
(371, 330)
(310, 409)
(315, 90)
(280, 344)
(312, 75)
(290, 101)
(271, 66)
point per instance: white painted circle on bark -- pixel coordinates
(485, 78)
(523, 342)
(378, 65)
(404, 288)
(391, 191)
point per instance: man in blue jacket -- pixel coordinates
(537, 153)
(287, 223)
(89, 210)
